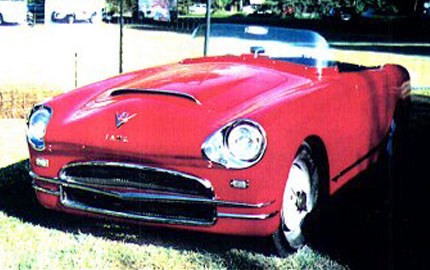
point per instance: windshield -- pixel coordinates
(291, 45)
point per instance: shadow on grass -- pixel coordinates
(364, 231)
(377, 219)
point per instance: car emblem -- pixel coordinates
(122, 118)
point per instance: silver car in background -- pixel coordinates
(13, 11)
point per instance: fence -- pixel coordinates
(181, 25)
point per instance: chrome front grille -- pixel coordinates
(169, 211)
(131, 176)
(137, 191)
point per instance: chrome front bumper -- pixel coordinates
(147, 197)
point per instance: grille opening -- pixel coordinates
(141, 178)
(167, 210)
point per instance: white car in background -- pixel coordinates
(197, 8)
(71, 11)
(13, 11)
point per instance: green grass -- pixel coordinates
(417, 66)
(421, 92)
(28, 246)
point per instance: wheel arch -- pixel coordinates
(319, 152)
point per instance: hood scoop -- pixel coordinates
(133, 91)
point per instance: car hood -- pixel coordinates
(218, 86)
(165, 110)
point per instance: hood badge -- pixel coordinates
(122, 118)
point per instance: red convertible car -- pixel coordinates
(250, 140)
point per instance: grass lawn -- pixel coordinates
(418, 66)
(28, 246)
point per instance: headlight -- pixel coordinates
(37, 124)
(237, 145)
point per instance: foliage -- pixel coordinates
(222, 4)
(319, 6)
(113, 5)
(382, 6)
(323, 7)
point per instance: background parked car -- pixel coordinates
(13, 11)
(71, 11)
(197, 8)
(249, 9)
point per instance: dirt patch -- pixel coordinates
(16, 102)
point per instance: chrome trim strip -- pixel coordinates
(117, 92)
(44, 190)
(45, 179)
(151, 196)
(81, 207)
(360, 160)
(130, 196)
(247, 216)
(64, 177)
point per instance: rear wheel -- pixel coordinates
(1, 19)
(396, 132)
(93, 16)
(299, 202)
(391, 153)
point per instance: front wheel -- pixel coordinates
(70, 19)
(299, 202)
(53, 16)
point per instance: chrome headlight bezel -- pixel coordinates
(218, 149)
(36, 127)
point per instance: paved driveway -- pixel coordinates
(44, 55)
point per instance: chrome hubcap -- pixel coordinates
(298, 202)
(301, 198)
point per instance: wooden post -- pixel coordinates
(208, 27)
(76, 69)
(121, 22)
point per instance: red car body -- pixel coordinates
(166, 113)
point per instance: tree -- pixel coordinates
(129, 5)
(222, 4)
